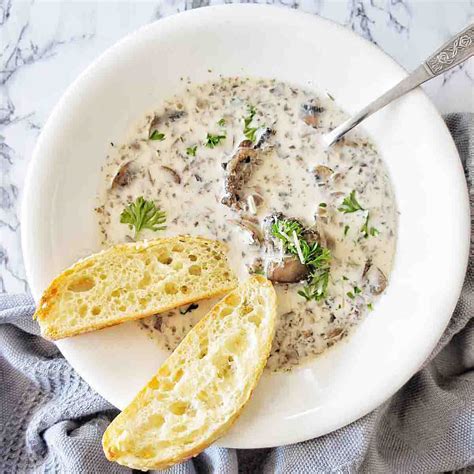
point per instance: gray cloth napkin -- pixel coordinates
(52, 421)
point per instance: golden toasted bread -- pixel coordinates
(202, 387)
(132, 281)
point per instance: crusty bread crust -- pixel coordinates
(156, 275)
(143, 436)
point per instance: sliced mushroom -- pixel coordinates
(322, 173)
(238, 171)
(172, 173)
(375, 279)
(265, 135)
(250, 228)
(253, 202)
(289, 270)
(170, 116)
(310, 114)
(124, 176)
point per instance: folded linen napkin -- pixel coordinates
(51, 420)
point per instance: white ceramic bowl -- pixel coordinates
(355, 376)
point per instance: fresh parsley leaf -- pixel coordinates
(323, 204)
(346, 230)
(311, 254)
(250, 133)
(143, 214)
(221, 122)
(345, 278)
(350, 295)
(370, 307)
(357, 290)
(213, 140)
(366, 230)
(350, 204)
(191, 151)
(156, 135)
(283, 229)
(190, 308)
(316, 289)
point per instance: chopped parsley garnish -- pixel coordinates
(143, 214)
(323, 204)
(366, 230)
(156, 135)
(370, 307)
(250, 133)
(345, 278)
(221, 122)
(350, 204)
(213, 140)
(191, 151)
(356, 291)
(190, 308)
(311, 254)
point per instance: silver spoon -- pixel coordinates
(457, 50)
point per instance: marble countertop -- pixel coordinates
(45, 45)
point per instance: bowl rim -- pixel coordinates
(29, 194)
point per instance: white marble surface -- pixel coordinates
(44, 45)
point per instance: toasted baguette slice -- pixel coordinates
(201, 389)
(132, 281)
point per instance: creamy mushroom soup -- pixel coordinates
(241, 160)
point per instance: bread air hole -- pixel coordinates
(179, 428)
(116, 293)
(223, 364)
(247, 309)
(192, 257)
(184, 289)
(203, 348)
(177, 375)
(171, 288)
(209, 398)
(256, 319)
(81, 284)
(156, 420)
(194, 270)
(226, 311)
(233, 299)
(154, 384)
(177, 266)
(164, 371)
(143, 302)
(179, 408)
(166, 385)
(83, 310)
(165, 259)
(146, 452)
(177, 248)
(96, 310)
(236, 344)
(145, 281)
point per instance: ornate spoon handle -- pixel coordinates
(454, 52)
